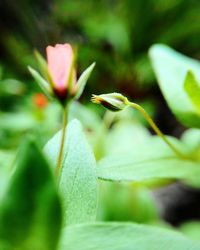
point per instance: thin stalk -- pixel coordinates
(108, 119)
(156, 129)
(62, 143)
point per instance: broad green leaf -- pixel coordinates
(191, 138)
(153, 160)
(191, 229)
(11, 87)
(16, 122)
(6, 158)
(78, 183)
(30, 210)
(83, 80)
(124, 236)
(4, 178)
(124, 137)
(171, 68)
(127, 169)
(192, 88)
(93, 126)
(126, 202)
(90, 120)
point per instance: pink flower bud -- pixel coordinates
(60, 61)
(58, 78)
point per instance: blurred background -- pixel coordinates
(116, 34)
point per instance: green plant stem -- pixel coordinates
(156, 129)
(62, 143)
(108, 118)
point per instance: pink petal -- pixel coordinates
(59, 60)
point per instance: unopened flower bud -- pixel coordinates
(112, 101)
(60, 67)
(59, 74)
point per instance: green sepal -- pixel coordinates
(83, 80)
(43, 67)
(43, 84)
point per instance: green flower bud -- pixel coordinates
(112, 101)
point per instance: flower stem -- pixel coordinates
(62, 143)
(156, 129)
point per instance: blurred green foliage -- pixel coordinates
(115, 34)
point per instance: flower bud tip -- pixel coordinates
(112, 101)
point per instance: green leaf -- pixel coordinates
(122, 202)
(7, 157)
(4, 178)
(191, 229)
(78, 182)
(127, 169)
(124, 236)
(191, 138)
(153, 160)
(43, 84)
(83, 80)
(30, 210)
(12, 87)
(192, 88)
(92, 124)
(16, 121)
(124, 137)
(171, 68)
(88, 118)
